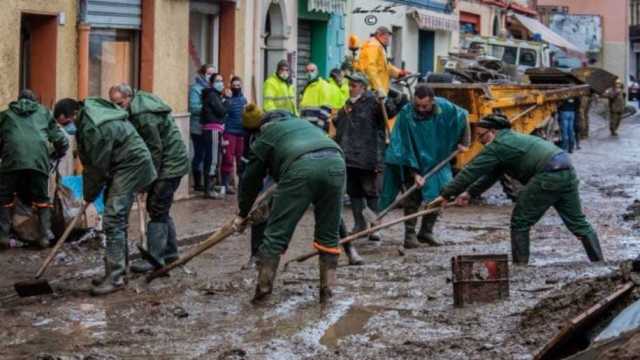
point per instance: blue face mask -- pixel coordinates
(70, 128)
(218, 86)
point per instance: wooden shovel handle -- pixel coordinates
(61, 241)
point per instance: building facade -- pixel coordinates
(422, 30)
(614, 14)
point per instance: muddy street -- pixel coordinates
(399, 305)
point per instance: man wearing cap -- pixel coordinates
(317, 92)
(546, 171)
(308, 168)
(374, 64)
(360, 132)
(425, 134)
(279, 93)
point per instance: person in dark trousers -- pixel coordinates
(200, 83)
(308, 168)
(215, 106)
(547, 174)
(360, 132)
(26, 131)
(153, 121)
(233, 134)
(567, 112)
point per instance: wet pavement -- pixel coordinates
(398, 305)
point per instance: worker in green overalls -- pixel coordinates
(308, 168)
(544, 169)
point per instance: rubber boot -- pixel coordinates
(410, 238)
(592, 247)
(99, 280)
(357, 207)
(114, 280)
(257, 235)
(520, 247)
(157, 234)
(5, 227)
(197, 180)
(372, 203)
(328, 264)
(425, 235)
(171, 249)
(349, 249)
(44, 225)
(267, 268)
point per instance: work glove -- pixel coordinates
(239, 224)
(404, 73)
(381, 94)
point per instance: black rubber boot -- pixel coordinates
(592, 247)
(520, 247)
(44, 225)
(425, 235)
(267, 268)
(99, 280)
(5, 227)
(171, 249)
(352, 254)
(197, 180)
(372, 203)
(328, 265)
(357, 207)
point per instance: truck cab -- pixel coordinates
(521, 53)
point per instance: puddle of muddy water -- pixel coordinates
(351, 323)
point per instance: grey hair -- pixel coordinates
(123, 89)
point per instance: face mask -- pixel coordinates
(284, 75)
(218, 86)
(236, 91)
(70, 128)
(312, 75)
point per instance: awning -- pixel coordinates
(327, 6)
(430, 20)
(536, 27)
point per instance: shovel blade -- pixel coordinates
(33, 288)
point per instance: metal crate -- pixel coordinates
(480, 278)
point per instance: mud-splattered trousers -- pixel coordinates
(161, 230)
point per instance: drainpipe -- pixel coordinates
(83, 60)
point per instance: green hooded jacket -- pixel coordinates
(277, 146)
(26, 130)
(152, 119)
(112, 152)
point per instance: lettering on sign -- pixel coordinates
(380, 9)
(370, 20)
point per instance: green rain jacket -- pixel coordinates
(277, 146)
(111, 151)
(518, 155)
(279, 95)
(26, 130)
(419, 144)
(152, 119)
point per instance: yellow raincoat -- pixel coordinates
(279, 95)
(373, 62)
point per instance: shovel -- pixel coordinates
(432, 207)
(143, 245)
(227, 230)
(41, 286)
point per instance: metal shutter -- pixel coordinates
(114, 14)
(304, 52)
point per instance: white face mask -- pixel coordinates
(355, 98)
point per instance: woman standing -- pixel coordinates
(215, 106)
(200, 83)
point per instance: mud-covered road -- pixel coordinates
(397, 306)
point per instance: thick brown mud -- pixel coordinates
(399, 305)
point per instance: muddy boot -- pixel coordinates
(425, 235)
(520, 247)
(328, 264)
(197, 180)
(171, 249)
(114, 280)
(372, 203)
(359, 222)
(352, 254)
(251, 264)
(99, 280)
(44, 225)
(267, 268)
(5, 227)
(592, 247)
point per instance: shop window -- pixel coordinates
(113, 59)
(527, 57)
(468, 28)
